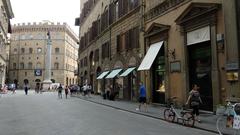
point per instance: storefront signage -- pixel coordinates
(38, 72)
(175, 66)
(236, 122)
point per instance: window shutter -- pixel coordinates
(120, 8)
(111, 13)
(125, 6)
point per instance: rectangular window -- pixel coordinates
(85, 61)
(111, 13)
(118, 43)
(57, 50)
(96, 57)
(22, 50)
(106, 50)
(30, 50)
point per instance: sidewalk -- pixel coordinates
(208, 121)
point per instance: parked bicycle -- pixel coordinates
(225, 121)
(185, 117)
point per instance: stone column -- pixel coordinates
(231, 45)
(47, 75)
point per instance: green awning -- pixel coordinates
(128, 71)
(114, 73)
(103, 75)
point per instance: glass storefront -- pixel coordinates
(158, 74)
(200, 72)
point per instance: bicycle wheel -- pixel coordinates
(188, 119)
(224, 125)
(169, 115)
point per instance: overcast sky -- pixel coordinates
(52, 10)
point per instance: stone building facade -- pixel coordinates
(109, 40)
(5, 27)
(180, 43)
(28, 53)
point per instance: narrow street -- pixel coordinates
(45, 114)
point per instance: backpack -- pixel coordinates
(195, 101)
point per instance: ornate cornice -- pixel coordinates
(163, 8)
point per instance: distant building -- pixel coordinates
(109, 42)
(6, 14)
(28, 48)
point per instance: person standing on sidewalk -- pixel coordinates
(26, 87)
(195, 100)
(60, 88)
(66, 91)
(142, 97)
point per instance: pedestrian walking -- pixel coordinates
(60, 88)
(89, 90)
(142, 97)
(13, 88)
(85, 90)
(66, 91)
(195, 100)
(26, 88)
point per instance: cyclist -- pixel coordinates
(195, 100)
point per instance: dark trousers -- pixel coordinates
(195, 110)
(26, 91)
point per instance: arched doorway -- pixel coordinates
(91, 60)
(37, 87)
(25, 81)
(70, 81)
(117, 82)
(67, 81)
(98, 86)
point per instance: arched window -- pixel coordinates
(15, 51)
(30, 65)
(56, 65)
(21, 65)
(30, 50)
(38, 66)
(57, 50)
(22, 50)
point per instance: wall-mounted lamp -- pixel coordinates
(172, 54)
